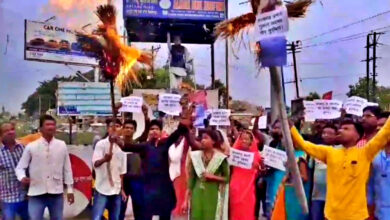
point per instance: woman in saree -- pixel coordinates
(207, 192)
(242, 199)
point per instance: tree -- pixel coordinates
(360, 89)
(312, 96)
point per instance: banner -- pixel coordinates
(169, 104)
(50, 43)
(131, 104)
(241, 158)
(209, 10)
(274, 158)
(220, 117)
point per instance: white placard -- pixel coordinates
(241, 158)
(274, 158)
(355, 105)
(328, 109)
(131, 104)
(220, 117)
(169, 104)
(273, 23)
(310, 111)
(262, 124)
(372, 104)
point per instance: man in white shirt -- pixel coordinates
(109, 170)
(48, 163)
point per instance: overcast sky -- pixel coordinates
(322, 67)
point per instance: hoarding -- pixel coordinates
(51, 43)
(77, 98)
(210, 10)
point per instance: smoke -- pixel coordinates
(73, 13)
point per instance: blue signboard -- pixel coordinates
(210, 10)
(77, 98)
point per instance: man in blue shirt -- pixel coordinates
(379, 185)
(12, 193)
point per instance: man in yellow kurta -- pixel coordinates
(348, 169)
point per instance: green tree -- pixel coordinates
(360, 89)
(312, 96)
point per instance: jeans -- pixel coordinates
(317, 210)
(11, 210)
(134, 188)
(111, 203)
(54, 202)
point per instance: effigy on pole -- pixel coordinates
(118, 62)
(269, 17)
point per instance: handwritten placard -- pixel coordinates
(169, 104)
(355, 105)
(241, 158)
(310, 111)
(262, 124)
(273, 23)
(274, 158)
(131, 104)
(328, 109)
(220, 117)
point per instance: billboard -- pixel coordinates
(50, 43)
(210, 10)
(78, 98)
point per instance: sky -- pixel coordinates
(325, 63)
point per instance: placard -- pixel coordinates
(241, 158)
(169, 104)
(273, 23)
(51, 43)
(310, 111)
(220, 117)
(262, 124)
(328, 109)
(131, 104)
(355, 105)
(274, 158)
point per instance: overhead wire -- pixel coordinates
(346, 26)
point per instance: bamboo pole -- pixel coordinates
(114, 113)
(291, 162)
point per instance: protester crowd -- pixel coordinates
(344, 165)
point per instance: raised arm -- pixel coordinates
(137, 148)
(144, 135)
(378, 142)
(318, 151)
(258, 135)
(180, 131)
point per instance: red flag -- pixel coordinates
(328, 95)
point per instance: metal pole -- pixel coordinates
(374, 44)
(368, 67)
(293, 49)
(291, 162)
(212, 67)
(227, 72)
(283, 86)
(40, 104)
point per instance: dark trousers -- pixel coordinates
(54, 202)
(260, 196)
(317, 210)
(14, 209)
(101, 202)
(135, 189)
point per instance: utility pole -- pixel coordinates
(373, 45)
(368, 67)
(154, 53)
(374, 58)
(294, 48)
